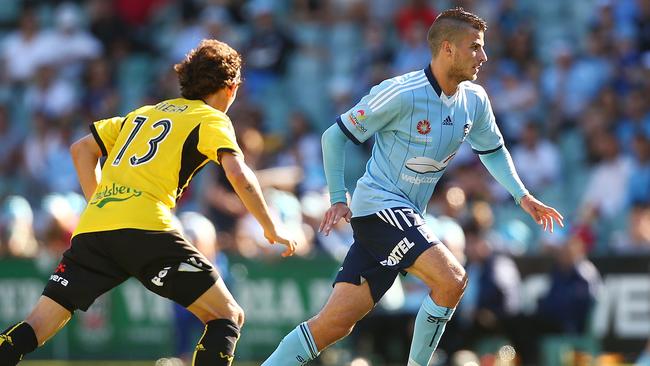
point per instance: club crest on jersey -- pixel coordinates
(424, 127)
(465, 130)
(356, 118)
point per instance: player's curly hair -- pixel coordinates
(448, 25)
(208, 68)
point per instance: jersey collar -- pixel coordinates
(432, 80)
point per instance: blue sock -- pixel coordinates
(429, 326)
(297, 348)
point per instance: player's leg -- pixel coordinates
(347, 304)
(223, 319)
(72, 286)
(171, 267)
(45, 320)
(359, 285)
(446, 278)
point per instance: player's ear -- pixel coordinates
(447, 48)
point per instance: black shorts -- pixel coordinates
(385, 244)
(96, 262)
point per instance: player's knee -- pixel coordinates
(332, 328)
(458, 282)
(454, 282)
(342, 327)
(232, 312)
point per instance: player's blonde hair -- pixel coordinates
(449, 25)
(208, 68)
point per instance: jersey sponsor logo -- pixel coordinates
(113, 193)
(398, 253)
(418, 180)
(424, 127)
(59, 279)
(158, 280)
(60, 268)
(301, 359)
(447, 122)
(423, 164)
(356, 118)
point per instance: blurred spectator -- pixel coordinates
(491, 298)
(635, 239)
(605, 194)
(537, 159)
(636, 119)
(515, 98)
(197, 24)
(642, 23)
(567, 306)
(10, 147)
(69, 44)
(416, 13)
(57, 222)
(22, 49)
(43, 141)
(413, 52)
(639, 185)
(49, 94)
(106, 25)
(16, 228)
(101, 98)
(302, 149)
(573, 81)
(267, 50)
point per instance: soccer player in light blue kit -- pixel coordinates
(419, 120)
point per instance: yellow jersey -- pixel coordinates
(150, 157)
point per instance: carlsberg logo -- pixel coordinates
(113, 193)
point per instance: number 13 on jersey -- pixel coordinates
(139, 121)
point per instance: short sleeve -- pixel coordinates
(105, 132)
(372, 113)
(485, 136)
(215, 136)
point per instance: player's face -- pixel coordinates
(469, 55)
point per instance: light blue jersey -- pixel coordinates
(418, 131)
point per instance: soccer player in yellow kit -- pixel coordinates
(126, 229)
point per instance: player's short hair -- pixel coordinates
(208, 68)
(448, 26)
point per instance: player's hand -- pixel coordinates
(542, 214)
(274, 237)
(338, 211)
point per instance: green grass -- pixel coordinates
(105, 363)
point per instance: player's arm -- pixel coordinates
(501, 167)
(245, 183)
(333, 142)
(85, 155)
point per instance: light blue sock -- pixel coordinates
(297, 348)
(429, 326)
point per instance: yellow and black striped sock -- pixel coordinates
(16, 341)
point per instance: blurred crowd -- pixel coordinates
(568, 80)
(568, 83)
